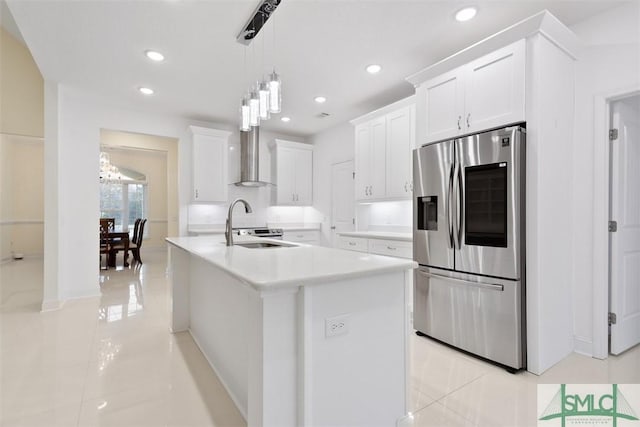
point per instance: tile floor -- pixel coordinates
(111, 361)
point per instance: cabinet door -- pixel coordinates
(362, 161)
(494, 89)
(209, 169)
(303, 190)
(286, 175)
(445, 105)
(378, 162)
(400, 142)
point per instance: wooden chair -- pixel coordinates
(137, 239)
(108, 223)
(105, 244)
(134, 243)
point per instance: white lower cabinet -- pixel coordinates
(358, 244)
(311, 237)
(394, 248)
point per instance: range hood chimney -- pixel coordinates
(249, 159)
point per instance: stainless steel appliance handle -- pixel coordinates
(491, 286)
(460, 206)
(448, 208)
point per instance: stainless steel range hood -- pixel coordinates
(249, 159)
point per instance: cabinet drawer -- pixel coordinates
(301, 236)
(352, 243)
(395, 248)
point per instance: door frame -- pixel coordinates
(601, 177)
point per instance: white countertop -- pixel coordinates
(388, 235)
(294, 266)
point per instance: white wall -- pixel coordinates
(610, 62)
(334, 145)
(21, 195)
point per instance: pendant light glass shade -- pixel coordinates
(254, 109)
(245, 115)
(263, 94)
(275, 93)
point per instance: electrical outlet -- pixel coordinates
(338, 325)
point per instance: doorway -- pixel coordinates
(342, 199)
(624, 225)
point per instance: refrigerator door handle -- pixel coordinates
(449, 209)
(490, 286)
(460, 194)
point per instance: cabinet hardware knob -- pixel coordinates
(352, 244)
(459, 118)
(468, 119)
(391, 248)
(405, 187)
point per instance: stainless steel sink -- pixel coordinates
(263, 245)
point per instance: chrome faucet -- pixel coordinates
(228, 232)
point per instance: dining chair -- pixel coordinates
(137, 240)
(105, 244)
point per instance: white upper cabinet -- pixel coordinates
(209, 164)
(483, 94)
(292, 169)
(362, 160)
(400, 144)
(384, 143)
(445, 105)
(370, 159)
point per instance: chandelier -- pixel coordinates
(108, 171)
(265, 97)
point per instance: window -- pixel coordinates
(125, 200)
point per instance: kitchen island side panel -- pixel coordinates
(219, 323)
(347, 374)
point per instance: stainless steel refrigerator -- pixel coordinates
(469, 239)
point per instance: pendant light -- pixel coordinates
(254, 108)
(245, 115)
(275, 93)
(264, 97)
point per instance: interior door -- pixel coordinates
(342, 199)
(624, 298)
(432, 226)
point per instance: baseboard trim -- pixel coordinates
(583, 346)
(51, 305)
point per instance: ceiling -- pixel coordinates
(320, 47)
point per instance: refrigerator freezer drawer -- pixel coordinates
(477, 314)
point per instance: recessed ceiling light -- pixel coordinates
(374, 69)
(320, 99)
(285, 119)
(466, 14)
(154, 56)
(146, 90)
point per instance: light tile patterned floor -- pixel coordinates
(111, 361)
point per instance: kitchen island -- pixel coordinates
(299, 335)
